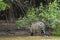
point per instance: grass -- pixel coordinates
(29, 38)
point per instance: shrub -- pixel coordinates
(26, 21)
(3, 5)
(51, 16)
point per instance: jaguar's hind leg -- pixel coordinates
(31, 34)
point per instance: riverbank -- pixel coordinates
(29, 38)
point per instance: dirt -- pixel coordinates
(12, 29)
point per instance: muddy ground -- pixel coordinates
(15, 33)
(12, 29)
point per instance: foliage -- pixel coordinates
(22, 22)
(3, 5)
(50, 15)
(25, 21)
